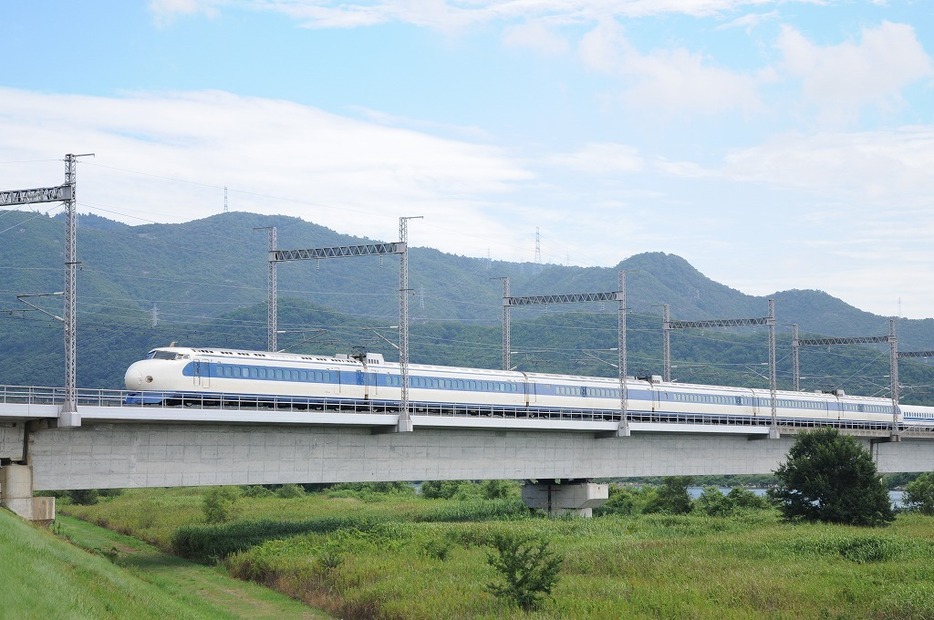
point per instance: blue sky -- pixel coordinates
(772, 144)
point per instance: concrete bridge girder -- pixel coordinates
(134, 454)
(155, 455)
(124, 455)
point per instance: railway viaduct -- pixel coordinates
(129, 447)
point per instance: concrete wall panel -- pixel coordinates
(11, 440)
(148, 455)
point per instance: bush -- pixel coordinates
(83, 497)
(449, 489)
(220, 504)
(257, 491)
(919, 494)
(370, 491)
(289, 491)
(746, 499)
(626, 500)
(672, 497)
(713, 503)
(529, 570)
(500, 489)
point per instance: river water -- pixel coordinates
(897, 497)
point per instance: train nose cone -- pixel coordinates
(133, 378)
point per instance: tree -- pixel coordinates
(919, 494)
(830, 477)
(528, 568)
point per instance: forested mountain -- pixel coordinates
(205, 283)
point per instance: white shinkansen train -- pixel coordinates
(181, 375)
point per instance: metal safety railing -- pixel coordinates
(39, 395)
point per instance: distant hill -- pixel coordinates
(207, 280)
(208, 267)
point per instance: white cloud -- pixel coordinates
(880, 168)
(457, 14)
(276, 157)
(165, 11)
(843, 79)
(601, 158)
(668, 81)
(536, 36)
(750, 21)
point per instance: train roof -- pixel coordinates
(372, 358)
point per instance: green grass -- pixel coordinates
(394, 561)
(193, 584)
(45, 577)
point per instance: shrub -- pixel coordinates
(449, 489)
(437, 549)
(289, 491)
(83, 497)
(220, 504)
(257, 491)
(744, 498)
(370, 491)
(919, 494)
(625, 500)
(672, 497)
(714, 503)
(500, 489)
(529, 570)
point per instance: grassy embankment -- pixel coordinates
(42, 576)
(393, 556)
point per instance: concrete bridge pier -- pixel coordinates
(16, 495)
(561, 497)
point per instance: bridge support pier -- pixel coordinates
(565, 497)
(16, 495)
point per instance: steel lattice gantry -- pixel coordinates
(65, 193)
(346, 251)
(574, 298)
(668, 325)
(797, 343)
